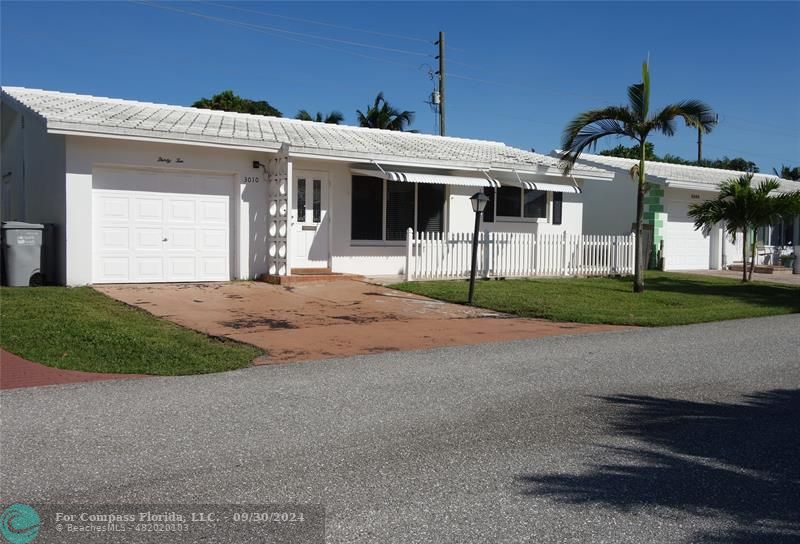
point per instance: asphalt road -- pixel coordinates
(686, 434)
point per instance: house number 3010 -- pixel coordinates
(250, 179)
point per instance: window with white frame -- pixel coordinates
(509, 202)
(778, 234)
(382, 210)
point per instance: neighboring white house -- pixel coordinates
(611, 209)
(144, 192)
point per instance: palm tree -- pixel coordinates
(635, 122)
(788, 173)
(333, 118)
(382, 115)
(743, 208)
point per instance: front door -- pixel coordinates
(310, 221)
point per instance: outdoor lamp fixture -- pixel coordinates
(479, 201)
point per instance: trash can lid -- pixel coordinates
(8, 225)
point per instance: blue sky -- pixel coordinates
(517, 72)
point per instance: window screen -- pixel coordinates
(367, 209)
(301, 200)
(317, 200)
(399, 209)
(430, 207)
(508, 201)
(535, 203)
(558, 204)
(488, 211)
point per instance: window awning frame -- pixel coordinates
(418, 177)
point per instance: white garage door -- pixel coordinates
(160, 227)
(685, 248)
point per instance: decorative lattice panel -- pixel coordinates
(279, 176)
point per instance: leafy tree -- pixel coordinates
(228, 101)
(333, 118)
(382, 115)
(737, 163)
(788, 173)
(633, 152)
(743, 208)
(635, 122)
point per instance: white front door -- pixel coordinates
(310, 221)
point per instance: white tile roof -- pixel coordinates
(678, 174)
(107, 116)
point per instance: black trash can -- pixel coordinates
(22, 253)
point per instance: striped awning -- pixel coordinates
(540, 186)
(413, 177)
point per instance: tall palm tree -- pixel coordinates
(635, 122)
(788, 173)
(743, 208)
(382, 115)
(333, 118)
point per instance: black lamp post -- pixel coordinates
(479, 201)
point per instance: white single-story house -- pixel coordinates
(675, 187)
(142, 192)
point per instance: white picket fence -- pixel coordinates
(431, 255)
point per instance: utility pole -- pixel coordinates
(440, 42)
(699, 145)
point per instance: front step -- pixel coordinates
(304, 276)
(311, 271)
(762, 268)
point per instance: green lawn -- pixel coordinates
(81, 329)
(669, 299)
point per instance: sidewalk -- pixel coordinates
(17, 372)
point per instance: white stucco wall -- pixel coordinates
(85, 154)
(33, 184)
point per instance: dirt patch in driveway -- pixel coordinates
(332, 319)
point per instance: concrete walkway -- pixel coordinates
(17, 372)
(331, 319)
(789, 279)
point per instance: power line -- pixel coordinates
(262, 30)
(321, 23)
(268, 29)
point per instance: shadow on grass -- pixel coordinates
(787, 296)
(737, 462)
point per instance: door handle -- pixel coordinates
(164, 240)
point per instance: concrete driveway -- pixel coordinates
(330, 319)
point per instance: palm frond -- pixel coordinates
(695, 112)
(623, 116)
(587, 138)
(639, 95)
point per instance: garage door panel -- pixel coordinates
(148, 209)
(182, 239)
(211, 267)
(685, 247)
(151, 227)
(148, 239)
(213, 212)
(214, 239)
(182, 268)
(113, 208)
(114, 238)
(182, 210)
(147, 269)
(114, 268)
